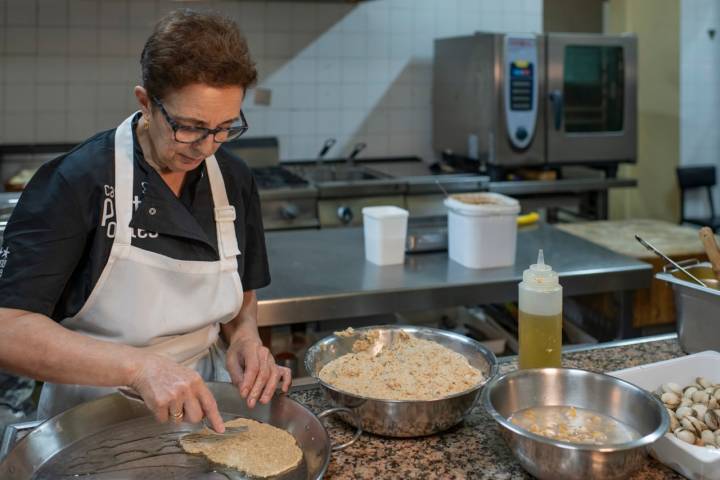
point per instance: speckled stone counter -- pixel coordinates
(473, 449)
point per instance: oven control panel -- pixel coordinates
(521, 88)
(347, 212)
(288, 213)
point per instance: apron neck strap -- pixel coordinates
(123, 189)
(224, 212)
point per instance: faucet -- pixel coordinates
(359, 147)
(324, 150)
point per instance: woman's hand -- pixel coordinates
(254, 372)
(174, 392)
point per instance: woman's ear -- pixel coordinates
(143, 100)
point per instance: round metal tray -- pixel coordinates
(115, 437)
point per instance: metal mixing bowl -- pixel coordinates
(546, 458)
(403, 418)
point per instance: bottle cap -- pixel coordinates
(541, 276)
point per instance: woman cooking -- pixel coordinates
(131, 260)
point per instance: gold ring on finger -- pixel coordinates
(177, 415)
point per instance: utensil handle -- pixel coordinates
(690, 262)
(326, 146)
(668, 259)
(359, 147)
(130, 394)
(358, 429)
(11, 432)
(707, 237)
(556, 99)
(437, 182)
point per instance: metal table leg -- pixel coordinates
(626, 301)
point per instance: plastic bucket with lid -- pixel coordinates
(482, 229)
(385, 229)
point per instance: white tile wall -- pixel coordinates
(700, 92)
(355, 72)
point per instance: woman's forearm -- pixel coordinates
(244, 325)
(35, 346)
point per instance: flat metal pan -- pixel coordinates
(115, 437)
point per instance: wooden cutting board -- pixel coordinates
(619, 236)
(656, 305)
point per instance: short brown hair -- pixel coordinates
(188, 47)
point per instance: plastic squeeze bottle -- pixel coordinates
(540, 316)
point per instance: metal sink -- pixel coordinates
(337, 173)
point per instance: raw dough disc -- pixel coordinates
(261, 451)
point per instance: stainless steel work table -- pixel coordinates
(322, 274)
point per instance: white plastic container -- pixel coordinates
(482, 229)
(385, 229)
(691, 461)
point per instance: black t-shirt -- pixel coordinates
(59, 236)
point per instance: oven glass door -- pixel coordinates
(594, 88)
(591, 98)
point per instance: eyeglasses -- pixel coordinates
(187, 134)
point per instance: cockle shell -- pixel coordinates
(670, 399)
(672, 387)
(703, 382)
(685, 436)
(699, 409)
(683, 412)
(707, 437)
(700, 397)
(689, 391)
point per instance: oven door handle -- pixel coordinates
(556, 99)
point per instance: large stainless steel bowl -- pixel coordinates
(546, 458)
(403, 418)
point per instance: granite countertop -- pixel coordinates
(473, 449)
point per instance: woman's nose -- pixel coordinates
(206, 146)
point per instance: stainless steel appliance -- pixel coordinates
(512, 100)
(341, 203)
(22, 160)
(303, 194)
(288, 200)
(426, 234)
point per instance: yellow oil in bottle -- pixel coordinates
(540, 317)
(540, 340)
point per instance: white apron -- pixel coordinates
(147, 300)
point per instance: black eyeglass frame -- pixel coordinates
(175, 126)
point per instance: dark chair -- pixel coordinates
(698, 177)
